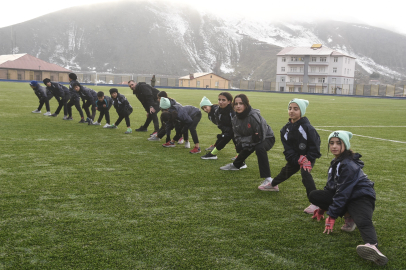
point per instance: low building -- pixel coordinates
(204, 80)
(25, 67)
(314, 69)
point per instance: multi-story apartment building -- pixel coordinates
(314, 69)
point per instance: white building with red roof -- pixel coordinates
(27, 67)
(314, 69)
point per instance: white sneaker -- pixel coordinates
(310, 209)
(181, 140)
(106, 126)
(267, 186)
(371, 252)
(244, 166)
(36, 111)
(96, 123)
(47, 113)
(153, 138)
(187, 144)
(229, 167)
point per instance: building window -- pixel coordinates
(322, 69)
(292, 79)
(314, 59)
(52, 78)
(282, 79)
(217, 84)
(198, 84)
(334, 70)
(180, 83)
(19, 77)
(333, 80)
(335, 59)
(291, 89)
(323, 59)
(321, 80)
(301, 69)
(293, 69)
(283, 59)
(313, 69)
(37, 77)
(188, 83)
(300, 79)
(282, 68)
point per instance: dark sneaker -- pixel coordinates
(82, 121)
(209, 155)
(195, 150)
(69, 118)
(88, 120)
(54, 115)
(141, 129)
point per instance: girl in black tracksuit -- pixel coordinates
(348, 193)
(223, 115)
(89, 97)
(251, 133)
(61, 93)
(302, 147)
(74, 99)
(123, 109)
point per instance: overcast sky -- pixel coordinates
(387, 14)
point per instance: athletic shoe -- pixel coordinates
(349, 224)
(209, 155)
(65, 118)
(112, 126)
(210, 148)
(54, 115)
(142, 129)
(244, 166)
(169, 144)
(371, 252)
(310, 209)
(106, 126)
(36, 111)
(82, 121)
(153, 134)
(69, 118)
(267, 186)
(195, 150)
(47, 113)
(96, 123)
(181, 140)
(90, 122)
(229, 167)
(187, 144)
(234, 158)
(129, 130)
(153, 138)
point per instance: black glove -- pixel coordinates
(256, 138)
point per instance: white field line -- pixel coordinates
(365, 126)
(365, 136)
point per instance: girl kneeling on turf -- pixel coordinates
(251, 133)
(348, 193)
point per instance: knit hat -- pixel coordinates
(34, 83)
(73, 76)
(345, 136)
(113, 90)
(302, 103)
(46, 80)
(205, 102)
(165, 103)
(75, 84)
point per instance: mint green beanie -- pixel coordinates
(205, 102)
(165, 103)
(345, 136)
(302, 103)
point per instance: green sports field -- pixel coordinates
(75, 196)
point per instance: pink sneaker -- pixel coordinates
(169, 144)
(310, 209)
(349, 224)
(181, 140)
(371, 252)
(195, 150)
(267, 186)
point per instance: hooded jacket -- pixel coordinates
(300, 138)
(42, 92)
(107, 100)
(73, 94)
(212, 114)
(224, 117)
(59, 91)
(348, 181)
(147, 95)
(245, 128)
(122, 105)
(185, 116)
(87, 94)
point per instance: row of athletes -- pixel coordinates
(349, 193)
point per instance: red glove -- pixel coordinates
(329, 225)
(307, 166)
(319, 214)
(302, 159)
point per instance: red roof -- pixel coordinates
(29, 62)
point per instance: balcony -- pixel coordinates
(319, 63)
(295, 73)
(325, 73)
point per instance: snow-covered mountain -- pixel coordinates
(162, 38)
